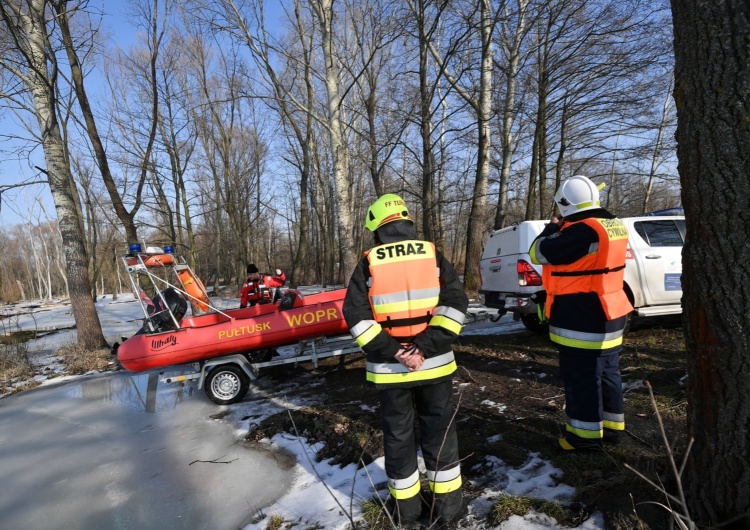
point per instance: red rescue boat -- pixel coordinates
(237, 331)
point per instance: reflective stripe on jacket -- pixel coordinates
(585, 341)
(602, 271)
(392, 373)
(404, 293)
(405, 286)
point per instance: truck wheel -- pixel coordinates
(226, 384)
(531, 321)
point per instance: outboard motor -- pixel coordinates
(168, 300)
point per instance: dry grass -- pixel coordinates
(509, 505)
(15, 366)
(80, 361)
(275, 522)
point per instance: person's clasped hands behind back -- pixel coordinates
(410, 356)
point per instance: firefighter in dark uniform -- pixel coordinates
(583, 258)
(405, 306)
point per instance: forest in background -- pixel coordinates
(242, 132)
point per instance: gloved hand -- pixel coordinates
(278, 272)
(540, 299)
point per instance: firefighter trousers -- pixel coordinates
(433, 404)
(593, 394)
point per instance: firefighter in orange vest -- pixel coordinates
(583, 258)
(405, 306)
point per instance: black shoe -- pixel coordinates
(612, 437)
(451, 522)
(392, 512)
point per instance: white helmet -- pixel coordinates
(577, 194)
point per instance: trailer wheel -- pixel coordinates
(226, 384)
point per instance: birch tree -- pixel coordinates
(514, 30)
(34, 64)
(324, 12)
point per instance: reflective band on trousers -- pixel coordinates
(448, 318)
(584, 429)
(404, 488)
(615, 422)
(364, 331)
(585, 341)
(405, 301)
(432, 368)
(444, 481)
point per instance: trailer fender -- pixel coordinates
(239, 360)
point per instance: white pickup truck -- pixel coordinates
(653, 267)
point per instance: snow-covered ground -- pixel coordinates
(320, 493)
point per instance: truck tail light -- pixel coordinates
(527, 275)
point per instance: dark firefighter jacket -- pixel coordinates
(443, 317)
(583, 275)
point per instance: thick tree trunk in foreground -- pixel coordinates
(713, 134)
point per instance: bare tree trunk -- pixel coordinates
(475, 228)
(713, 105)
(42, 285)
(657, 147)
(29, 29)
(541, 141)
(509, 112)
(323, 10)
(127, 218)
(482, 106)
(533, 177)
(547, 205)
(20, 287)
(425, 125)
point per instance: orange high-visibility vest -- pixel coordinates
(405, 286)
(601, 272)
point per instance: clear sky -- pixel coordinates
(20, 205)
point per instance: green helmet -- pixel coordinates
(389, 207)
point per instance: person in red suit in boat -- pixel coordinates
(257, 288)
